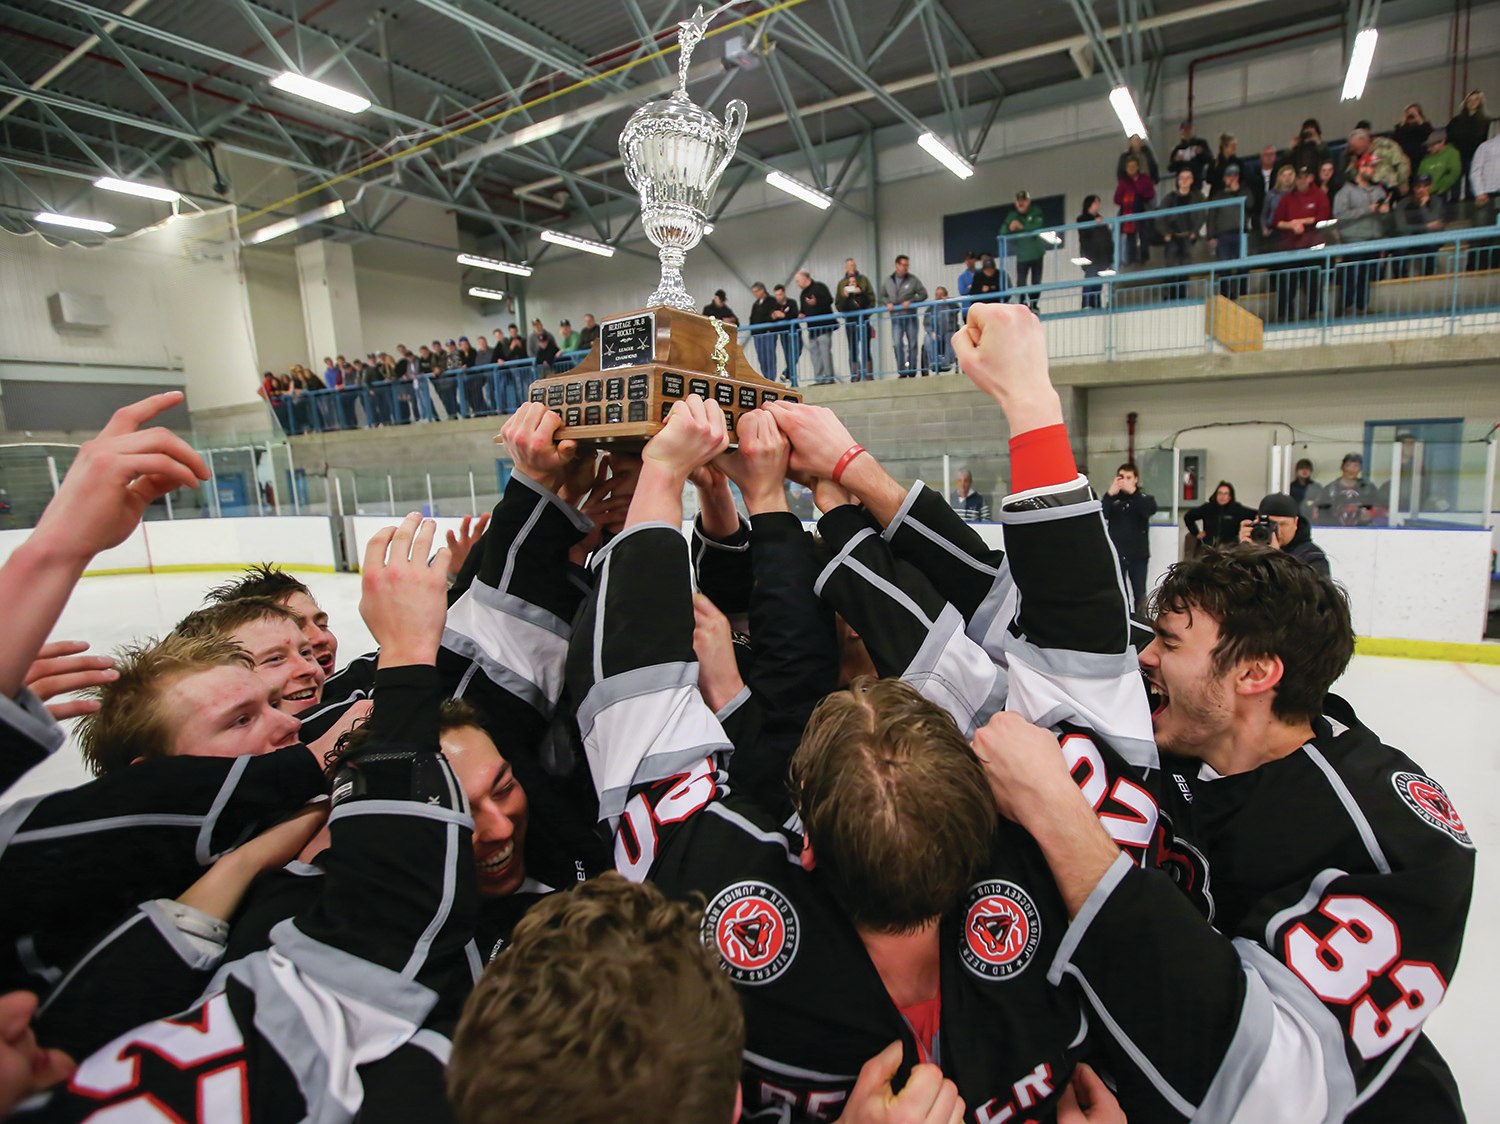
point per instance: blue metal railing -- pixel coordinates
(1117, 223)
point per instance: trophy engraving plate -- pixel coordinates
(640, 388)
(614, 389)
(591, 415)
(699, 387)
(614, 414)
(747, 398)
(574, 416)
(637, 412)
(539, 394)
(593, 390)
(574, 393)
(627, 341)
(671, 384)
(769, 396)
(555, 394)
(724, 393)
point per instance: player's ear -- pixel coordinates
(807, 858)
(739, 1102)
(1259, 675)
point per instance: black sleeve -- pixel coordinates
(722, 567)
(910, 632)
(934, 538)
(355, 680)
(28, 736)
(1145, 504)
(1193, 518)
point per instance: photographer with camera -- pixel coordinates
(1278, 525)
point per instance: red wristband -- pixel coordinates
(1040, 457)
(849, 454)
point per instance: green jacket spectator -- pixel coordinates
(1025, 246)
(1442, 162)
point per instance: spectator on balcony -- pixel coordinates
(989, 279)
(1228, 157)
(589, 332)
(1309, 151)
(331, 377)
(969, 504)
(1443, 166)
(453, 367)
(1329, 180)
(942, 322)
(542, 346)
(379, 399)
(854, 299)
(1096, 242)
(477, 384)
(1262, 179)
(966, 278)
(1179, 230)
(786, 313)
(1133, 195)
(1304, 490)
(900, 291)
(567, 338)
(1297, 215)
(1192, 154)
(1363, 210)
(720, 310)
(1411, 133)
(1284, 184)
(1217, 522)
(467, 356)
(1469, 128)
(816, 301)
(1025, 246)
(515, 346)
(1140, 152)
(765, 339)
(1484, 186)
(1420, 213)
(1226, 231)
(1350, 500)
(1392, 168)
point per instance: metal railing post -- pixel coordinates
(291, 469)
(473, 499)
(52, 473)
(1489, 482)
(390, 491)
(1395, 516)
(1176, 482)
(431, 507)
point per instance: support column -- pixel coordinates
(330, 300)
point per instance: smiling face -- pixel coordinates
(224, 712)
(325, 646)
(1193, 704)
(499, 807)
(284, 661)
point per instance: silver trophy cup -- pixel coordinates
(674, 152)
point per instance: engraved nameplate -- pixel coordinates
(628, 341)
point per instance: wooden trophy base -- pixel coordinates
(642, 363)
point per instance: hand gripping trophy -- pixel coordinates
(674, 152)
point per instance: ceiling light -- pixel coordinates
(1359, 64)
(708, 228)
(1124, 106)
(134, 187)
(1106, 273)
(293, 83)
(573, 242)
(945, 156)
(487, 294)
(98, 225)
(1082, 261)
(492, 263)
(799, 189)
(297, 222)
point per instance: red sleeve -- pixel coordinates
(1040, 457)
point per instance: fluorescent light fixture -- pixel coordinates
(487, 294)
(1050, 236)
(297, 222)
(133, 187)
(1359, 64)
(945, 156)
(1082, 261)
(98, 225)
(708, 228)
(292, 83)
(799, 189)
(1124, 106)
(1106, 273)
(573, 242)
(492, 263)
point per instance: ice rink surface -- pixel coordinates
(1444, 716)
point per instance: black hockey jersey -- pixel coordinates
(28, 736)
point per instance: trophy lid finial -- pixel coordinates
(689, 33)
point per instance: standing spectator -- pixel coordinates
(969, 504)
(1217, 522)
(467, 356)
(1351, 500)
(542, 346)
(1179, 230)
(1363, 209)
(1226, 231)
(1139, 151)
(966, 278)
(1329, 181)
(1028, 249)
(989, 279)
(1421, 213)
(1411, 133)
(1097, 243)
(790, 334)
(1133, 195)
(1260, 181)
(1304, 489)
(1309, 151)
(433, 365)
(856, 296)
(1469, 128)
(1392, 169)
(1296, 218)
(331, 378)
(515, 345)
(765, 339)
(1192, 154)
(477, 384)
(513, 379)
(590, 331)
(942, 322)
(379, 397)
(1128, 511)
(903, 288)
(1228, 157)
(1443, 166)
(1284, 184)
(567, 338)
(453, 367)
(1484, 185)
(817, 301)
(720, 310)
(1290, 531)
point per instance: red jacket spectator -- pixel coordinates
(1308, 205)
(1133, 195)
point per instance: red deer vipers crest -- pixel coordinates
(754, 929)
(1001, 930)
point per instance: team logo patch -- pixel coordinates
(1426, 798)
(1001, 930)
(755, 930)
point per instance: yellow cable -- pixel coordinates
(504, 113)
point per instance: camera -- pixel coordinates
(1262, 530)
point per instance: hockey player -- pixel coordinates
(273, 637)
(1331, 876)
